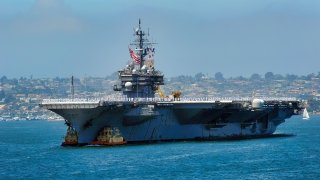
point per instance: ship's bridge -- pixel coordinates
(139, 83)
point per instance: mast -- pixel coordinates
(72, 88)
(142, 82)
(141, 48)
(141, 43)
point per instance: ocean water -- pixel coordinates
(31, 149)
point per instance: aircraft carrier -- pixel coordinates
(139, 111)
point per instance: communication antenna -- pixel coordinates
(72, 87)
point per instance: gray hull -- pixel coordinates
(166, 121)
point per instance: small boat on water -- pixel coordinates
(109, 137)
(71, 137)
(305, 114)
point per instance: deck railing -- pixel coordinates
(125, 99)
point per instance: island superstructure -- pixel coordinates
(142, 113)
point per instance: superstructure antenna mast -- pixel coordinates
(72, 88)
(140, 34)
(140, 43)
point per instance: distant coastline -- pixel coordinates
(20, 97)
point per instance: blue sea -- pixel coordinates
(31, 149)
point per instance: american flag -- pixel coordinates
(136, 58)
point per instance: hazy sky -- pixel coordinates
(48, 38)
